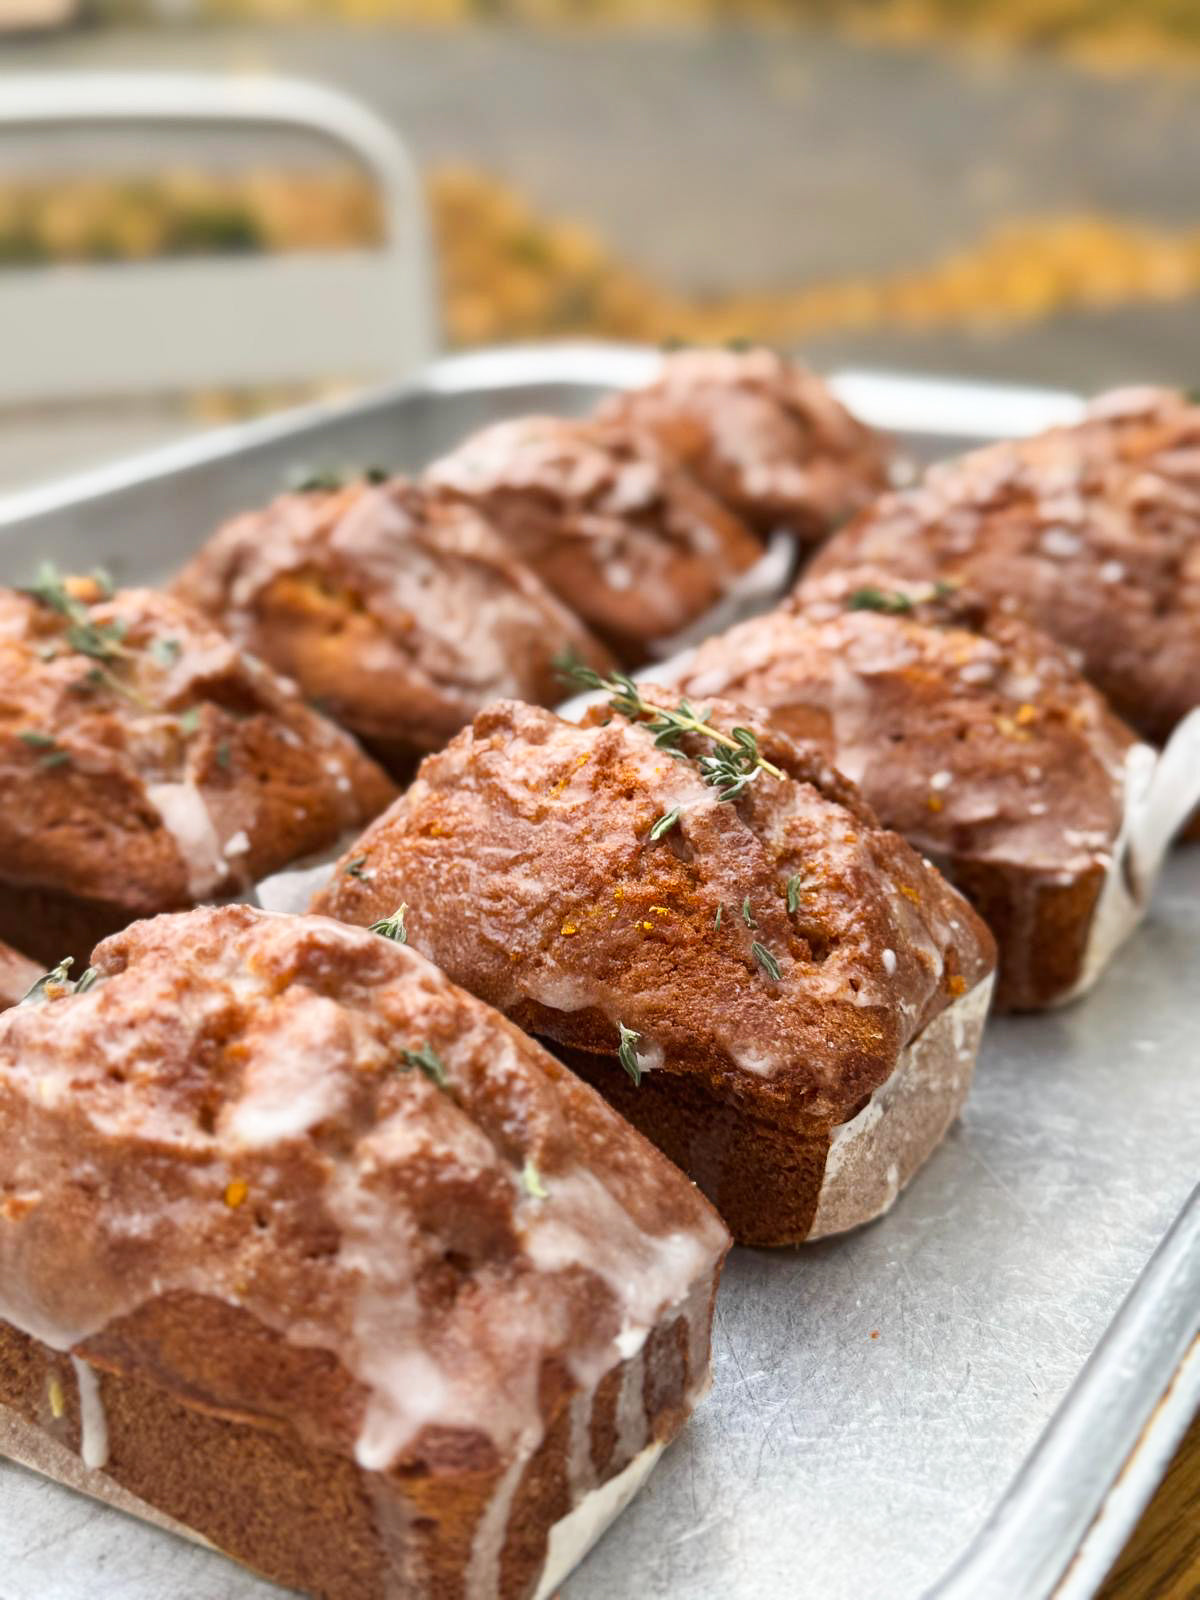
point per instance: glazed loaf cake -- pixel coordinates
(401, 613)
(1091, 532)
(147, 764)
(981, 744)
(314, 1256)
(763, 434)
(625, 537)
(779, 993)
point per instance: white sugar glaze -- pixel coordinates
(188, 820)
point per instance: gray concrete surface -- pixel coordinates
(731, 159)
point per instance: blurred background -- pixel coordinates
(994, 188)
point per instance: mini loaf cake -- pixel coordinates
(312, 1256)
(1092, 532)
(763, 434)
(399, 612)
(627, 539)
(981, 744)
(779, 993)
(17, 976)
(147, 764)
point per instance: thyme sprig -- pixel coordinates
(735, 760)
(59, 978)
(102, 642)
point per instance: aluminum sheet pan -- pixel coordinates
(971, 1399)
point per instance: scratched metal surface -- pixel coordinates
(874, 1397)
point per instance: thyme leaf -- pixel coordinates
(392, 927)
(49, 589)
(318, 482)
(766, 961)
(531, 1181)
(50, 755)
(794, 884)
(166, 651)
(427, 1060)
(665, 823)
(748, 914)
(871, 599)
(627, 1052)
(54, 979)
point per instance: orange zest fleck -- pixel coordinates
(567, 929)
(236, 1191)
(1026, 715)
(934, 801)
(909, 893)
(957, 984)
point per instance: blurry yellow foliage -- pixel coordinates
(509, 273)
(1111, 35)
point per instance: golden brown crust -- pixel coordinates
(982, 745)
(626, 538)
(323, 1271)
(764, 435)
(1091, 532)
(149, 764)
(308, 1517)
(524, 854)
(17, 976)
(401, 613)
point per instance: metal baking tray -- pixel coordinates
(972, 1399)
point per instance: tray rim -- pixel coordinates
(889, 400)
(1057, 1529)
